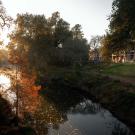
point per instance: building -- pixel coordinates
(95, 56)
(124, 57)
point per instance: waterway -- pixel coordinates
(61, 111)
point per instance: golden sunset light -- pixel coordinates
(67, 67)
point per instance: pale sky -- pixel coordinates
(91, 14)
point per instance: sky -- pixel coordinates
(91, 14)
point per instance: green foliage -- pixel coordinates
(76, 31)
(122, 26)
(106, 49)
(122, 70)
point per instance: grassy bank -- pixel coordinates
(123, 70)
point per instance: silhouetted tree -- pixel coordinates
(5, 20)
(37, 43)
(122, 26)
(77, 32)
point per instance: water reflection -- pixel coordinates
(81, 115)
(118, 130)
(63, 99)
(62, 111)
(44, 118)
(87, 107)
(5, 89)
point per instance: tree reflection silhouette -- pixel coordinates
(47, 110)
(67, 100)
(118, 130)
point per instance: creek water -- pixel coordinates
(62, 112)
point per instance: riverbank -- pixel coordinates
(9, 123)
(125, 72)
(118, 97)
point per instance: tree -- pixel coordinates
(95, 45)
(105, 48)
(29, 29)
(35, 43)
(122, 26)
(77, 32)
(74, 51)
(61, 32)
(95, 42)
(5, 20)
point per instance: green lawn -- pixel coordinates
(123, 70)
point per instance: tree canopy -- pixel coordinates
(38, 42)
(121, 34)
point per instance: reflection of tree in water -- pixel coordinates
(45, 115)
(87, 107)
(51, 109)
(50, 114)
(119, 130)
(62, 99)
(71, 101)
(47, 112)
(28, 94)
(35, 110)
(29, 101)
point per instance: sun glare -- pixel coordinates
(5, 90)
(4, 38)
(5, 81)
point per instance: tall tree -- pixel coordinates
(95, 42)
(62, 32)
(106, 51)
(5, 20)
(95, 45)
(35, 43)
(122, 26)
(77, 32)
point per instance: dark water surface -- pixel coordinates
(67, 112)
(87, 118)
